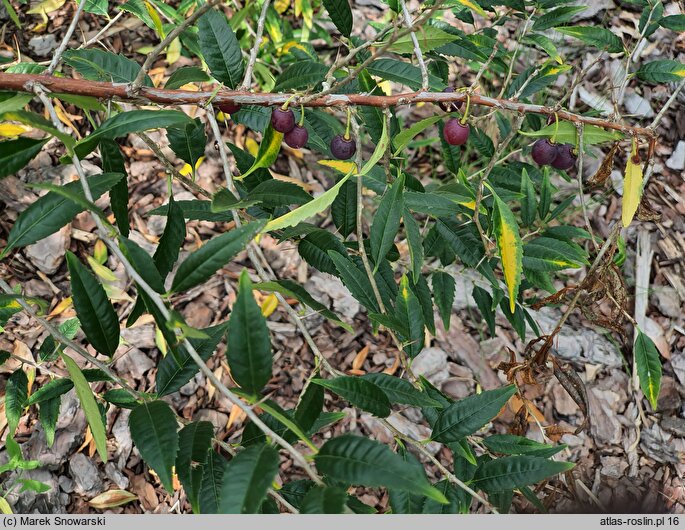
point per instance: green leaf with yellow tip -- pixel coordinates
(268, 150)
(509, 246)
(648, 367)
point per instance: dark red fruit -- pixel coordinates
(283, 120)
(451, 106)
(297, 138)
(565, 158)
(343, 148)
(455, 132)
(229, 108)
(544, 152)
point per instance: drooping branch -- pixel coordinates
(161, 96)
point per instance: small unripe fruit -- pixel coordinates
(455, 132)
(297, 138)
(343, 148)
(451, 106)
(565, 158)
(544, 152)
(283, 120)
(229, 108)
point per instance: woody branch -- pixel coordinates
(161, 96)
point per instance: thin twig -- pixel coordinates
(65, 341)
(106, 236)
(137, 83)
(417, 47)
(100, 33)
(247, 80)
(65, 41)
(581, 192)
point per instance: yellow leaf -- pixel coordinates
(173, 52)
(102, 271)
(339, 165)
(13, 129)
(269, 305)
(473, 6)
(155, 18)
(47, 6)
(510, 248)
(252, 146)
(111, 499)
(160, 342)
(5, 508)
(187, 170)
(281, 5)
(632, 188)
(293, 44)
(61, 307)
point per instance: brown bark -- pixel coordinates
(160, 96)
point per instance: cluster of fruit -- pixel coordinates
(455, 132)
(559, 156)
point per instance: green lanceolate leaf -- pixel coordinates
(359, 392)
(16, 395)
(510, 248)
(567, 132)
(295, 290)
(185, 75)
(220, 48)
(143, 263)
(468, 415)
(312, 208)
(341, 15)
(508, 444)
(154, 431)
(401, 391)
(529, 204)
(355, 279)
(344, 209)
(52, 211)
(175, 371)
(89, 405)
(15, 154)
(324, 499)
(301, 75)
(414, 242)
(272, 193)
(48, 413)
(172, 239)
(648, 367)
(212, 479)
(249, 345)
(404, 73)
(194, 443)
(361, 461)
(213, 255)
(249, 474)
(444, 288)
(662, 71)
(386, 222)
(268, 150)
(407, 135)
(98, 319)
(314, 248)
(309, 407)
(113, 162)
(511, 472)
(596, 36)
(51, 390)
(129, 122)
(101, 65)
(410, 315)
(188, 142)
